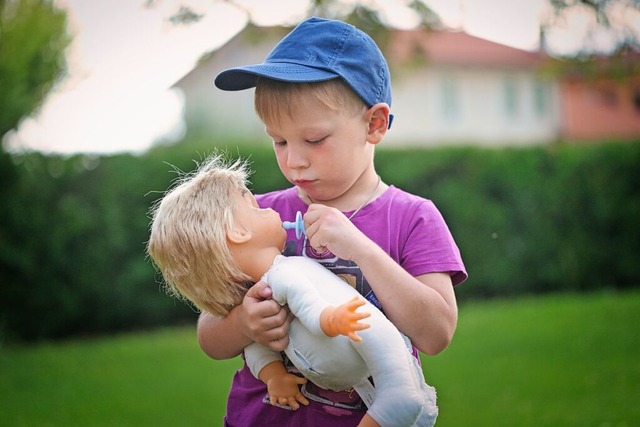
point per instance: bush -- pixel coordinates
(536, 219)
(539, 219)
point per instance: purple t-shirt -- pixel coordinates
(412, 231)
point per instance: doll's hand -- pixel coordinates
(264, 320)
(343, 320)
(285, 390)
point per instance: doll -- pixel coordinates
(211, 241)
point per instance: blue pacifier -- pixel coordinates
(297, 225)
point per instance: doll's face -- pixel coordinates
(264, 225)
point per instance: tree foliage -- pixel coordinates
(619, 18)
(366, 15)
(33, 40)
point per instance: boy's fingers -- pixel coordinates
(259, 291)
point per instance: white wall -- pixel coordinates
(460, 106)
(432, 106)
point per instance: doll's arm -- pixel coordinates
(296, 282)
(282, 386)
(343, 319)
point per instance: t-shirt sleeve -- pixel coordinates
(429, 245)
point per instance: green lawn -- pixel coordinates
(564, 360)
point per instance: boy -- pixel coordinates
(324, 96)
(209, 239)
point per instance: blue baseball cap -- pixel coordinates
(317, 50)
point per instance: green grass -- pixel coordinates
(563, 360)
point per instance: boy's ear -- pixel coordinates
(378, 119)
(238, 235)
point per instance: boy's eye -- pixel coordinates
(279, 143)
(316, 141)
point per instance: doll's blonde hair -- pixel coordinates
(188, 241)
(275, 99)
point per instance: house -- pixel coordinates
(601, 99)
(448, 88)
(221, 114)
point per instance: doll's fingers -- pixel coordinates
(360, 315)
(293, 403)
(360, 326)
(356, 302)
(354, 337)
(300, 398)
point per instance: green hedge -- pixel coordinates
(558, 218)
(73, 229)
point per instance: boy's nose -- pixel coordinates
(296, 159)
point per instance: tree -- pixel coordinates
(609, 34)
(615, 20)
(369, 16)
(33, 40)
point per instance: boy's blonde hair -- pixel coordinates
(275, 99)
(188, 241)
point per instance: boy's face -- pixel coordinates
(322, 151)
(264, 225)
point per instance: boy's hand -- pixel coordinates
(329, 230)
(264, 320)
(344, 320)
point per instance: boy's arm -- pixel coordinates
(257, 319)
(424, 308)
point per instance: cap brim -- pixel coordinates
(245, 77)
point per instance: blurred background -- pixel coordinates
(520, 119)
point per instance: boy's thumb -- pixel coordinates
(260, 291)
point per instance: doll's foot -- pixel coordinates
(285, 391)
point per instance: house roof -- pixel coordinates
(457, 48)
(441, 47)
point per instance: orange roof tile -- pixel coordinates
(458, 48)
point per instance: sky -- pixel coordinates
(125, 56)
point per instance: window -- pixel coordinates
(510, 97)
(450, 102)
(540, 98)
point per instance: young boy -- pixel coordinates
(324, 96)
(209, 239)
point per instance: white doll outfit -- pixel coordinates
(401, 396)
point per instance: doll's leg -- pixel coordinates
(401, 395)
